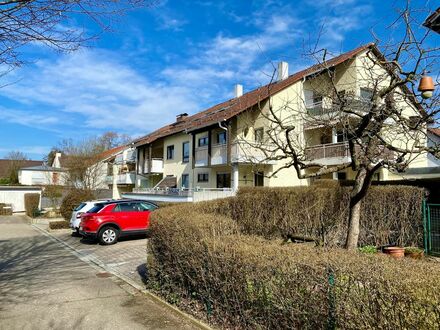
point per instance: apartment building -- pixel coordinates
(223, 148)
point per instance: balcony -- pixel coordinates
(339, 153)
(152, 166)
(122, 179)
(127, 156)
(248, 152)
(354, 104)
(219, 154)
(201, 156)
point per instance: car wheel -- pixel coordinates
(108, 235)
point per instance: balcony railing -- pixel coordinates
(243, 151)
(355, 104)
(219, 154)
(154, 165)
(128, 156)
(330, 150)
(338, 153)
(201, 156)
(123, 178)
(181, 194)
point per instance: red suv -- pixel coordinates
(107, 221)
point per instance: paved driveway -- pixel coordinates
(45, 286)
(127, 257)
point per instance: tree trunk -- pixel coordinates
(356, 196)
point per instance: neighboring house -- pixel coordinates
(122, 161)
(43, 174)
(213, 149)
(7, 164)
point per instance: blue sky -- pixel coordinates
(181, 56)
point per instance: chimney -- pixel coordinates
(238, 90)
(283, 70)
(181, 117)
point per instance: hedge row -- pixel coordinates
(59, 224)
(5, 209)
(72, 199)
(246, 281)
(389, 215)
(31, 204)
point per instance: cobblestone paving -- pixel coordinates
(126, 257)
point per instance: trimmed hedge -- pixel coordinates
(31, 204)
(5, 209)
(321, 213)
(209, 256)
(60, 224)
(72, 199)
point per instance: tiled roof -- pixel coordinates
(111, 152)
(5, 165)
(235, 106)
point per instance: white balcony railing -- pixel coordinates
(251, 152)
(219, 154)
(355, 104)
(127, 156)
(325, 151)
(201, 156)
(122, 179)
(180, 194)
(155, 165)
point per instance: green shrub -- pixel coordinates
(61, 224)
(31, 204)
(72, 199)
(368, 249)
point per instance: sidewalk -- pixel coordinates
(43, 285)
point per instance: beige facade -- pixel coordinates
(221, 154)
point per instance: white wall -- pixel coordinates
(15, 196)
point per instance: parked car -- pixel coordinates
(107, 221)
(75, 219)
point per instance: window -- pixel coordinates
(79, 207)
(311, 98)
(202, 177)
(185, 152)
(126, 207)
(143, 206)
(95, 209)
(223, 180)
(259, 179)
(341, 175)
(366, 94)
(259, 133)
(203, 141)
(340, 136)
(170, 152)
(221, 138)
(185, 181)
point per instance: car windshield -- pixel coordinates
(79, 207)
(95, 209)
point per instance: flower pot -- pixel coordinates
(395, 251)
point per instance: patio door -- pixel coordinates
(223, 180)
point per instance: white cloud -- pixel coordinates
(105, 92)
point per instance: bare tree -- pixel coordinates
(54, 23)
(17, 160)
(83, 159)
(382, 126)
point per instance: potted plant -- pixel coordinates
(394, 251)
(414, 252)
